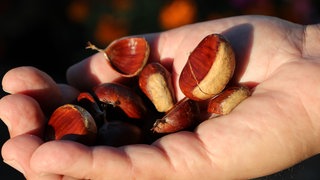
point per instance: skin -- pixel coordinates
(275, 128)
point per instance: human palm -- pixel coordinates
(273, 129)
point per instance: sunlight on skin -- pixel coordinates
(31, 122)
(33, 82)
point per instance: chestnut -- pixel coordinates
(87, 101)
(181, 117)
(71, 122)
(228, 99)
(103, 116)
(209, 68)
(118, 133)
(127, 55)
(121, 96)
(156, 83)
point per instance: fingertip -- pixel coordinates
(22, 114)
(17, 152)
(20, 146)
(24, 78)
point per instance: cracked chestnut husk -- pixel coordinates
(126, 56)
(71, 122)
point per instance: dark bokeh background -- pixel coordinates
(51, 35)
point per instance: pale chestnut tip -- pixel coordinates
(127, 56)
(156, 83)
(209, 68)
(228, 99)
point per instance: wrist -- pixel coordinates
(311, 46)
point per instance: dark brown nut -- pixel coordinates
(228, 99)
(71, 122)
(182, 116)
(123, 97)
(127, 56)
(156, 83)
(117, 133)
(209, 68)
(87, 101)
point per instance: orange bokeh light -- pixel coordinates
(78, 11)
(177, 13)
(109, 28)
(123, 5)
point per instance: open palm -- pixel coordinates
(275, 128)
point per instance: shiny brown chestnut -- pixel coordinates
(156, 83)
(127, 55)
(181, 117)
(228, 99)
(71, 122)
(209, 68)
(123, 97)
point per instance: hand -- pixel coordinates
(275, 128)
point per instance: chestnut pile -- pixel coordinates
(115, 114)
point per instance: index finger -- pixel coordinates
(95, 70)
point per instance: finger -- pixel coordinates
(69, 93)
(17, 152)
(78, 161)
(22, 115)
(159, 161)
(91, 72)
(131, 161)
(35, 83)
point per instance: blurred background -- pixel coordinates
(52, 35)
